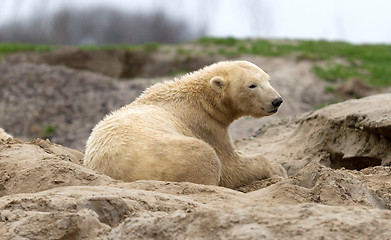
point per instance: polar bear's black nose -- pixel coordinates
(277, 102)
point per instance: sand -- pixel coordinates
(47, 194)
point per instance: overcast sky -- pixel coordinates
(357, 21)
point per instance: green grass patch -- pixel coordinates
(329, 89)
(182, 51)
(7, 48)
(178, 73)
(48, 132)
(227, 52)
(151, 47)
(339, 72)
(371, 63)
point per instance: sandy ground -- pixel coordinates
(320, 199)
(338, 159)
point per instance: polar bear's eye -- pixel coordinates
(252, 86)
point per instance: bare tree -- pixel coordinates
(99, 25)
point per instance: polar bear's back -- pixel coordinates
(130, 139)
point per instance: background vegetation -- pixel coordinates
(333, 60)
(98, 25)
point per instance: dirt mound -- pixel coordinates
(354, 134)
(319, 184)
(115, 63)
(41, 165)
(355, 88)
(59, 103)
(109, 62)
(47, 194)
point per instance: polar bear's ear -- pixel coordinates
(218, 83)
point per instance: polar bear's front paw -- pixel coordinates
(268, 168)
(275, 170)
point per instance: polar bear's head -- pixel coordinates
(245, 89)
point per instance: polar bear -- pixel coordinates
(4, 135)
(178, 130)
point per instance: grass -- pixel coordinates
(371, 63)
(178, 73)
(329, 89)
(333, 60)
(230, 41)
(7, 48)
(48, 132)
(151, 47)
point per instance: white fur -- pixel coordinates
(178, 130)
(4, 135)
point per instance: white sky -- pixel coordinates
(358, 21)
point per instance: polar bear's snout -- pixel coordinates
(277, 102)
